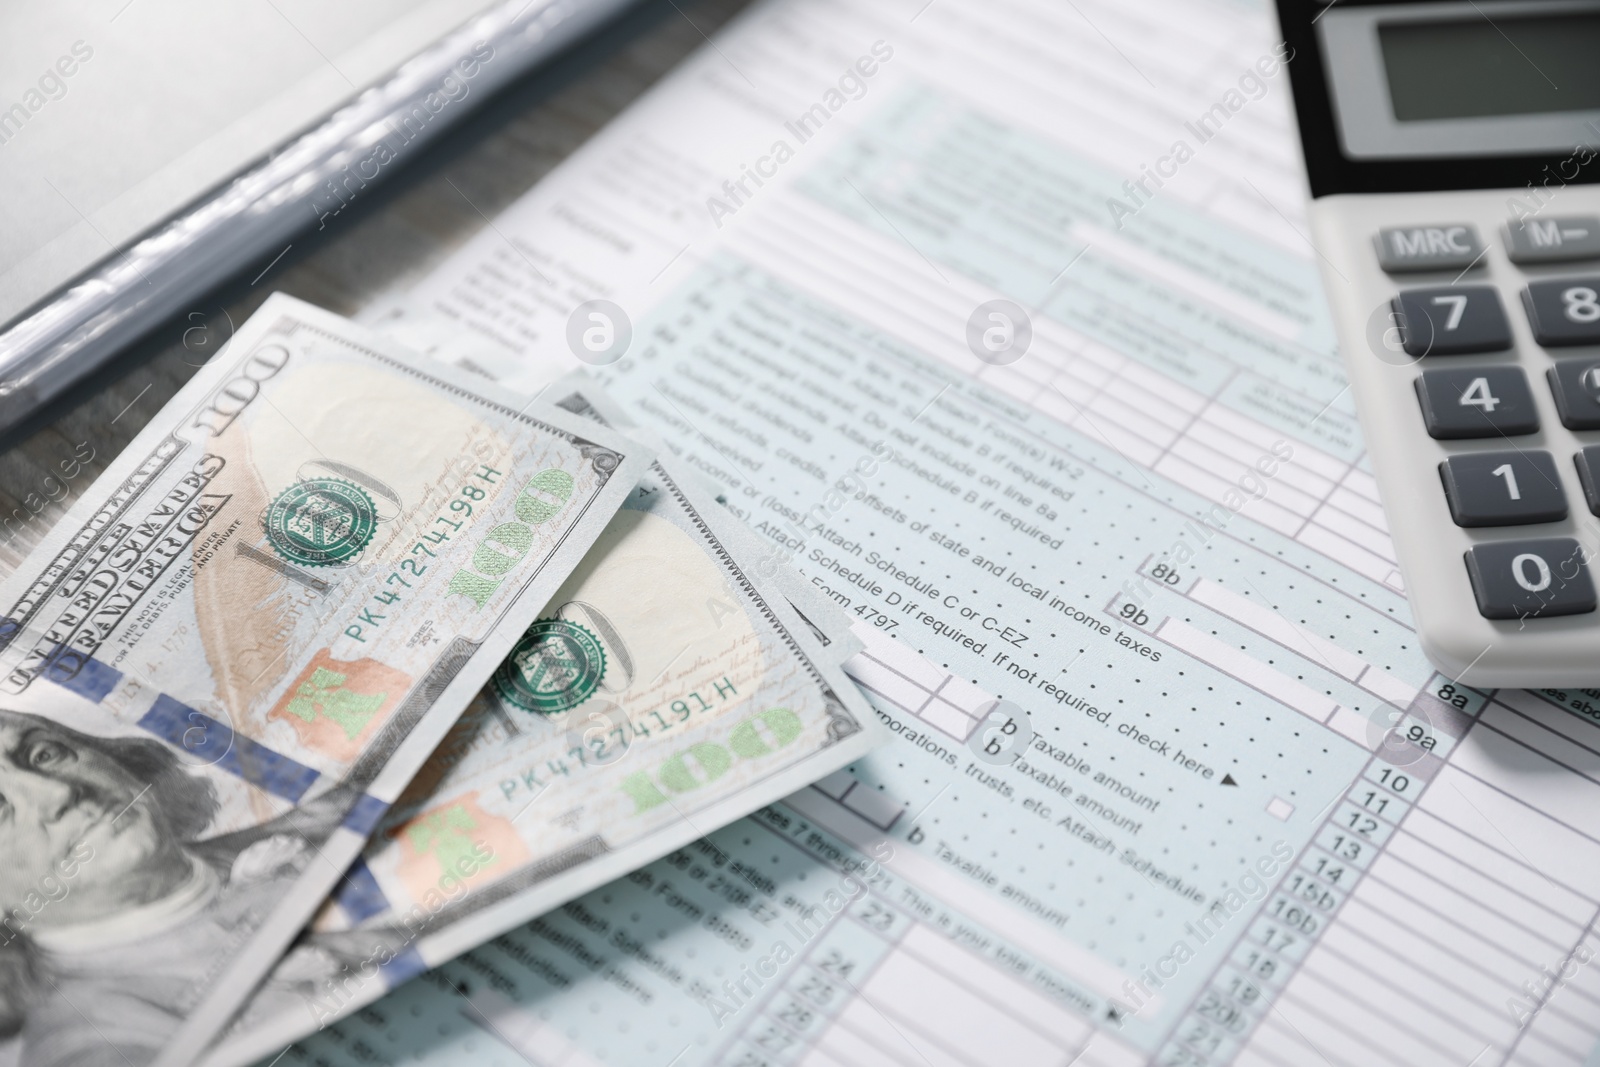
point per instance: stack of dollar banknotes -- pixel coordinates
(351, 662)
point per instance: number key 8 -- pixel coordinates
(1564, 311)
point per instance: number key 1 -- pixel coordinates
(1564, 311)
(1503, 488)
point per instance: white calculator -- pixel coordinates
(1452, 149)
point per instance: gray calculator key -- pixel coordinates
(1588, 462)
(1575, 383)
(1564, 311)
(1451, 320)
(1476, 402)
(1449, 246)
(1530, 579)
(1553, 240)
(1503, 488)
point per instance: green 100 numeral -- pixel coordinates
(756, 736)
(540, 501)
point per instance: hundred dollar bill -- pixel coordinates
(224, 665)
(667, 690)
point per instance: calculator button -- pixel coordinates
(1588, 462)
(1503, 488)
(1530, 579)
(1451, 246)
(1564, 311)
(1553, 240)
(1451, 320)
(1476, 402)
(1575, 384)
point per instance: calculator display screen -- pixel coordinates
(1475, 67)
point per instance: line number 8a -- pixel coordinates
(1541, 572)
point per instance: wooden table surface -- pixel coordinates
(406, 226)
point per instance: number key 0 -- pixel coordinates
(1530, 579)
(1564, 311)
(1477, 402)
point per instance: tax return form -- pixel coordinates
(1225, 812)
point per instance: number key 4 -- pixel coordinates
(1477, 402)
(1564, 311)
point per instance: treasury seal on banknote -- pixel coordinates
(556, 666)
(321, 521)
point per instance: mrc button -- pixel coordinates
(1450, 246)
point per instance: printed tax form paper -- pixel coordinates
(1228, 814)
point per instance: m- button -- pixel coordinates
(1451, 246)
(1553, 240)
